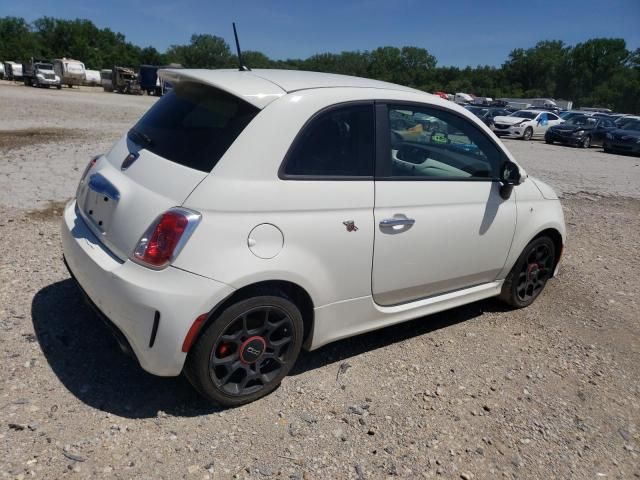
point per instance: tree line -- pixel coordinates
(600, 72)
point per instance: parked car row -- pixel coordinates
(613, 132)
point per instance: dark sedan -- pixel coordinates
(487, 114)
(580, 131)
(625, 139)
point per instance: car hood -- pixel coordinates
(509, 120)
(570, 128)
(545, 190)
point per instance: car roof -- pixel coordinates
(261, 86)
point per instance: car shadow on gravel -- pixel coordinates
(87, 360)
(342, 350)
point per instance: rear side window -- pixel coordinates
(336, 143)
(193, 125)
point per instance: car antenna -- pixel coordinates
(241, 66)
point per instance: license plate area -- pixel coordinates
(98, 199)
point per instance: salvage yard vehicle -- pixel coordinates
(106, 79)
(39, 73)
(525, 124)
(622, 121)
(625, 139)
(13, 71)
(487, 114)
(92, 78)
(1, 70)
(72, 72)
(580, 131)
(235, 223)
(125, 80)
(149, 81)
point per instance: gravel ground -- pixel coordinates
(551, 391)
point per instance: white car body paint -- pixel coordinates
(258, 227)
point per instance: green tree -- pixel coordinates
(17, 43)
(204, 51)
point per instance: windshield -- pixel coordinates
(479, 111)
(44, 66)
(193, 125)
(524, 114)
(581, 121)
(632, 125)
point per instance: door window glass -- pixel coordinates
(337, 143)
(432, 143)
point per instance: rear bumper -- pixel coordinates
(152, 310)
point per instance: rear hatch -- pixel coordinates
(159, 162)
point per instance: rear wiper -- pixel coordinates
(140, 138)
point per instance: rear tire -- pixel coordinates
(530, 274)
(223, 364)
(528, 133)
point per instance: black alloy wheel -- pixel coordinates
(252, 351)
(246, 352)
(530, 273)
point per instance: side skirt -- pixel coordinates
(360, 315)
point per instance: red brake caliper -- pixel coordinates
(223, 350)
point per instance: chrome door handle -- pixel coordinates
(396, 222)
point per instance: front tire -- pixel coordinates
(586, 143)
(246, 351)
(530, 273)
(528, 133)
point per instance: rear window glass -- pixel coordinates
(193, 125)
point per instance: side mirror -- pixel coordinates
(509, 176)
(510, 173)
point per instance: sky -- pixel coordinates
(458, 33)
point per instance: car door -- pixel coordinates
(553, 119)
(440, 222)
(541, 124)
(604, 126)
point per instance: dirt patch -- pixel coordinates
(12, 139)
(51, 211)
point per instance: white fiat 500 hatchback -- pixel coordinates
(250, 214)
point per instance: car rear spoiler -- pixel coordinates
(252, 89)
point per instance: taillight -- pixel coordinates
(89, 166)
(87, 169)
(166, 236)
